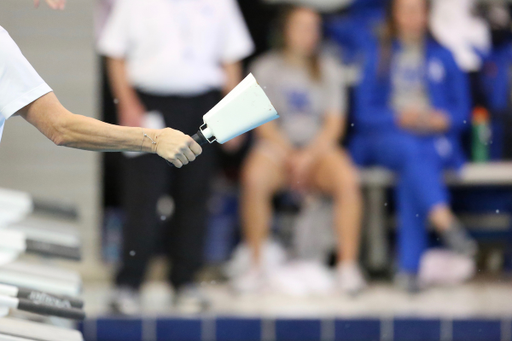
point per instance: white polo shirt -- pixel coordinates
(176, 46)
(20, 84)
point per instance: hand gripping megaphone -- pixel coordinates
(245, 108)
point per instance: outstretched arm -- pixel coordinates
(67, 129)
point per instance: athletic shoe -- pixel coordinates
(350, 279)
(190, 298)
(252, 281)
(125, 301)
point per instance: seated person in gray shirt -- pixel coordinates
(301, 151)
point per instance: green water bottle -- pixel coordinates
(481, 135)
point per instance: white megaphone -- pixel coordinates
(245, 108)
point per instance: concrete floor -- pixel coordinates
(480, 298)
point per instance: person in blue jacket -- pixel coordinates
(411, 106)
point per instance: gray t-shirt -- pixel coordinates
(408, 79)
(301, 102)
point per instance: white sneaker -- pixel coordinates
(125, 301)
(191, 299)
(350, 278)
(252, 281)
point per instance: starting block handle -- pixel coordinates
(41, 309)
(50, 299)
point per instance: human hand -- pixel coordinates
(130, 114)
(411, 119)
(438, 122)
(300, 164)
(54, 4)
(176, 147)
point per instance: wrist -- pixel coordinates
(149, 142)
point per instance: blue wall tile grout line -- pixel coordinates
(446, 330)
(327, 329)
(208, 329)
(268, 330)
(149, 332)
(387, 329)
(90, 330)
(506, 330)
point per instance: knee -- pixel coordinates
(254, 181)
(347, 182)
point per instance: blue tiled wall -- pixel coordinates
(252, 329)
(119, 330)
(298, 330)
(356, 330)
(477, 330)
(178, 329)
(416, 330)
(232, 329)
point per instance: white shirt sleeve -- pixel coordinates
(114, 39)
(20, 84)
(237, 42)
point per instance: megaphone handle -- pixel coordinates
(200, 139)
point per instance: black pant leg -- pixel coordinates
(145, 180)
(191, 191)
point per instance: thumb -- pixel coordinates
(36, 3)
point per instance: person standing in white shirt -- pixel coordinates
(173, 59)
(23, 92)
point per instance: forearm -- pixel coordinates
(119, 82)
(330, 134)
(89, 134)
(233, 72)
(67, 129)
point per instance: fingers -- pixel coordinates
(183, 159)
(189, 155)
(195, 147)
(177, 148)
(177, 163)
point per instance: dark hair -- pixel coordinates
(388, 33)
(283, 19)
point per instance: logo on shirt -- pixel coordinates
(298, 101)
(436, 71)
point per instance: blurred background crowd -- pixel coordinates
(391, 161)
(414, 87)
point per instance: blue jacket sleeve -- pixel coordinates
(371, 97)
(459, 98)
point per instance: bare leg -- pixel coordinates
(451, 231)
(337, 176)
(261, 178)
(441, 217)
